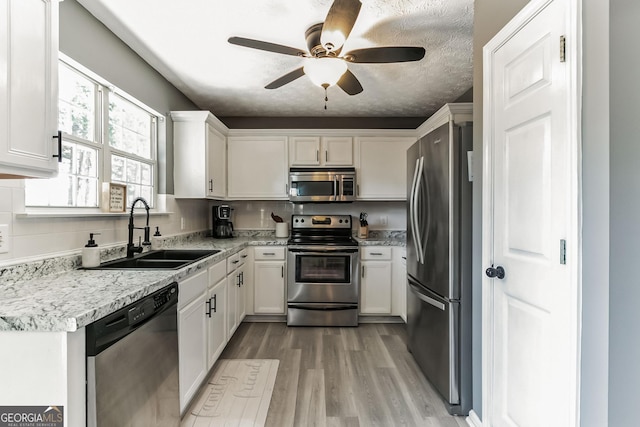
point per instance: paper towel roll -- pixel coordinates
(282, 229)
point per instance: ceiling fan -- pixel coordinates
(325, 64)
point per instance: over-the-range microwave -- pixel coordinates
(317, 185)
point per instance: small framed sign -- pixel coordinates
(114, 197)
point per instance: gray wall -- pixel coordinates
(88, 41)
(624, 281)
(489, 17)
(595, 221)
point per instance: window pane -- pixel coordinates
(129, 127)
(137, 176)
(75, 185)
(76, 103)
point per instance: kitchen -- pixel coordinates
(32, 237)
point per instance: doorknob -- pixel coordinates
(495, 272)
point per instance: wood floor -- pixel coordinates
(360, 376)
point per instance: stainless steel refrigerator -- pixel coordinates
(439, 262)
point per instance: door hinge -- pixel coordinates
(563, 49)
(563, 251)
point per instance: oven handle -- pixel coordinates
(308, 250)
(323, 307)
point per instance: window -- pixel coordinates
(108, 136)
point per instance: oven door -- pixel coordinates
(323, 275)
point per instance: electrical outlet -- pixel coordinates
(4, 238)
(182, 224)
(383, 220)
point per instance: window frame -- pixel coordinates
(101, 140)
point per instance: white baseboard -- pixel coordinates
(473, 420)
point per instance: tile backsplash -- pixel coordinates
(34, 237)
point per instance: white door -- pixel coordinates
(530, 213)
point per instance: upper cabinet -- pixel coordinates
(321, 151)
(199, 151)
(257, 167)
(28, 88)
(381, 165)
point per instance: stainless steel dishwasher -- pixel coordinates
(132, 364)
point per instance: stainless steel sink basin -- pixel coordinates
(169, 259)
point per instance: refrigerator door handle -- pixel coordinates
(412, 204)
(428, 300)
(416, 213)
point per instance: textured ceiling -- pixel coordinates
(186, 41)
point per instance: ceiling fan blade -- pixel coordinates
(269, 47)
(287, 78)
(349, 83)
(381, 55)
(339, 23)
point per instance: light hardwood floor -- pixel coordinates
(360, 376)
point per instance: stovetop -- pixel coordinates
(325, 230)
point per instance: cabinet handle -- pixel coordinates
(358, 189)
(282, 271)
(268, 253)
(210, 186)
(209, 307)
(376, 253)
(317, 155)
(242, 278)
(59, 155)
(235, 262)
(326, 155)
(363, 271)
(238, 280)
(215, 303)
(243, 256)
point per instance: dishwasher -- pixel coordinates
(132, 364)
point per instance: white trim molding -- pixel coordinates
(473, 420)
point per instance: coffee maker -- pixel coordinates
(222, 225)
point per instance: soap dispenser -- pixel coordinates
(91, 253)
(155, 240)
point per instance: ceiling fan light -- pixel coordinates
(325, 71)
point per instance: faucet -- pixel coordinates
(131, 248)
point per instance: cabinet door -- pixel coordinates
(217, 326)
(399, 283)
(338, 150)
(242, 299)
(258, 168)
(382, 166)
(216, 162)
(232, 304)
(304, 151)
(269, 287)
(375, 296)
(28, 87)
(192, 336)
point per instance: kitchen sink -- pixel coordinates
(169, 259)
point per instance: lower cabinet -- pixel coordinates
(192, 336)
(216, 304)
(269, 271)
(375, 280)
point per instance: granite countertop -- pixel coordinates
(55, 295)
(33, 299)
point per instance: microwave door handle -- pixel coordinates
(336, 196)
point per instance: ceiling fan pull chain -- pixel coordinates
(326, 98)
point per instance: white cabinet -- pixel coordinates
(399, 282)
(321, 151)
(192, 336)
(375, 280)
(257, 168)
(381, 165)
(216, 312)
(28, 88)
(236, 305)
(269, 280)
(199, 152)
